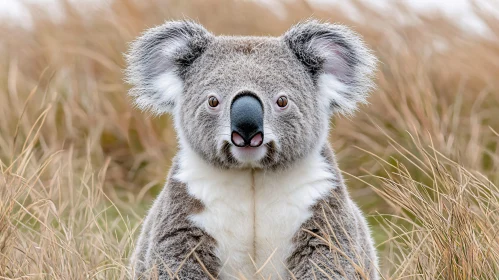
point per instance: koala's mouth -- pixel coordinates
(248, 154)
(258, 157)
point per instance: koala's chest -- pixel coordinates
(254, 216)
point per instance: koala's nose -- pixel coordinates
(246, 120)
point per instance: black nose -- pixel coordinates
(246, 120)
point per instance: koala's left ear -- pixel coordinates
(338, 60)
(158, 59)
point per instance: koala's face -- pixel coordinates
(258, 102)
(250, 102)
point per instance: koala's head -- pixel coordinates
(260, 102)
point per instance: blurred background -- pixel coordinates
(80, 166)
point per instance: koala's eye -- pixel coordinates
(282, 101)
(213, 101)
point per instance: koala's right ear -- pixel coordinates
(157, 60)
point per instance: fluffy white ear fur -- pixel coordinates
(169, 85)
(342, 65)
(154, 70)
(344, 85)
(330, 89)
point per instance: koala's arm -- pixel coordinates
(169, 246)
(335, 242)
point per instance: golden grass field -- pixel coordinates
(79, 166)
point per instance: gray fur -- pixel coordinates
(350, 253)
(169, 246)
(292, 64)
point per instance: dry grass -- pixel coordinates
(79, 166)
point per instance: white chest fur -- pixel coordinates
(253, 215)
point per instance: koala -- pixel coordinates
(254, 191)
